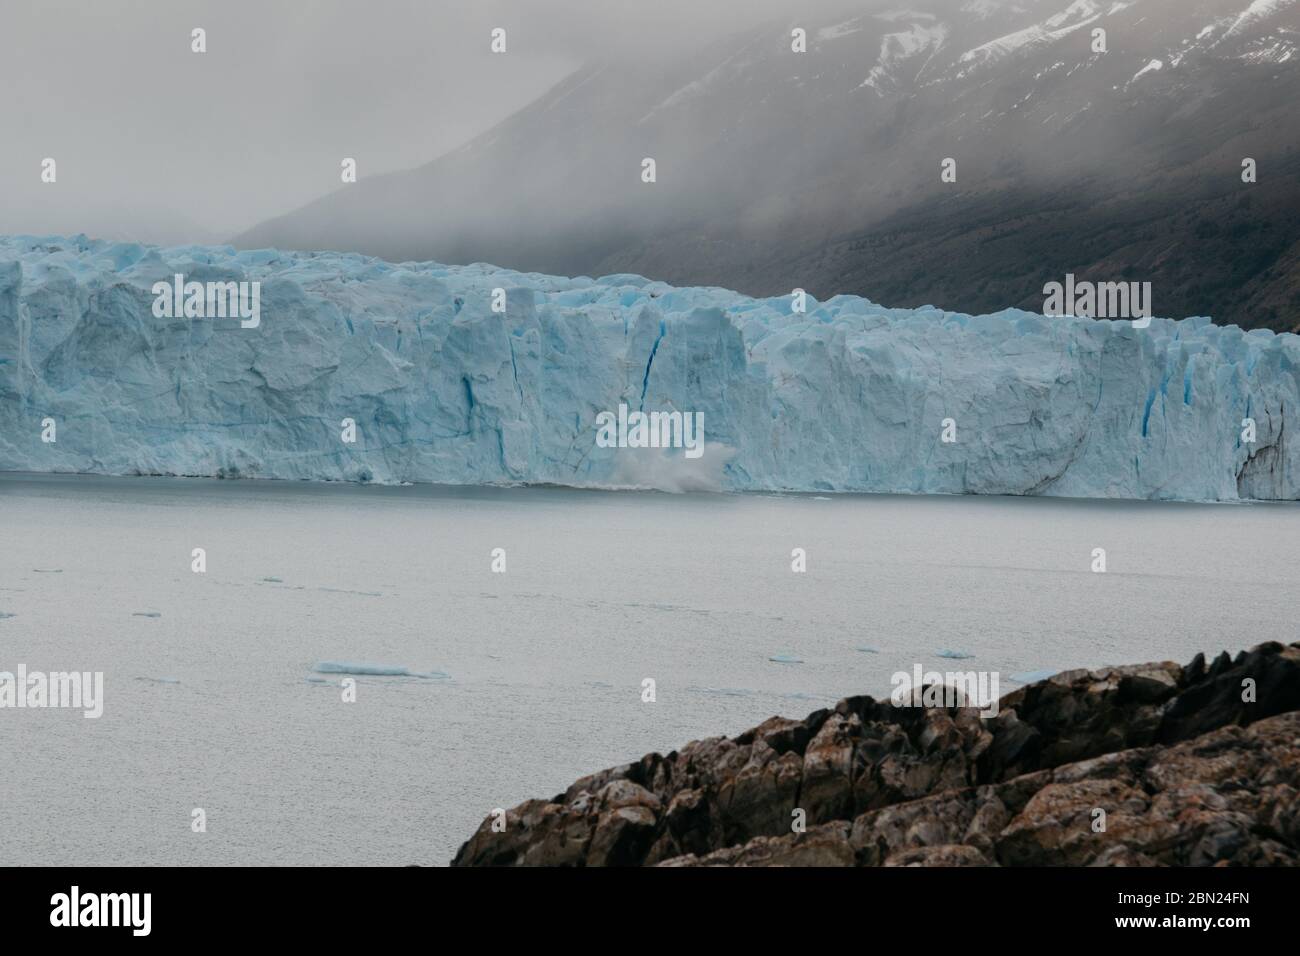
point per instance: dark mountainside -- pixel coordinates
(820, 170)
(1188, 771)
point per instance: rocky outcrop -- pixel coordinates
(1125, 766)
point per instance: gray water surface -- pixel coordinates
(211, 700)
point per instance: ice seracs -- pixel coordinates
(847, 397)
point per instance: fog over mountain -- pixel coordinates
(821, 170)
(775, 169)
(156, 143)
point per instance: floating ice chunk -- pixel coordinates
(146, 614)
(867, 650)
(375, 670)
(785, 659)
(953, 655)
(160, 680)
(722, 691)
(5, 615)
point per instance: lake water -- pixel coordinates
(210, 702)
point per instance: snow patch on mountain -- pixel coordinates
(899, 47)
(1269, 50)
(1077, 15)
(844, 29)
(1152, 67)
(1257, 11)
(981, 8)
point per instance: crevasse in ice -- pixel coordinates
(849, 396)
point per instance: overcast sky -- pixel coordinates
(155, 143)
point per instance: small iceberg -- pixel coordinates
(722, 691)
(953, 655)
(6, 614)
(146, 614)
(867, 650)
(785, 659)
(375, 670)
(160, 680)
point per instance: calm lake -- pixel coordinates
(211, 699)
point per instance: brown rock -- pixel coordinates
(1186, 770)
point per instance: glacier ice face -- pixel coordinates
(850, 396)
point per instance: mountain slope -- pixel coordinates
(821, 170)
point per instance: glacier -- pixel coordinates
(849, 396)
